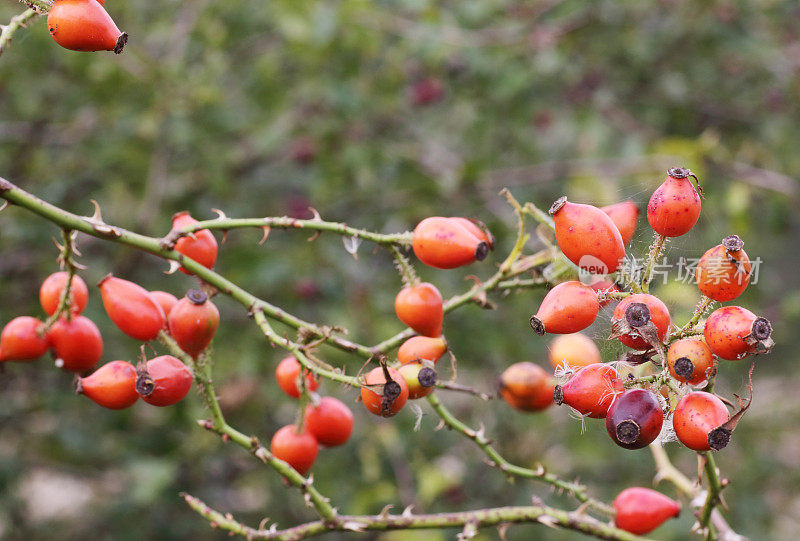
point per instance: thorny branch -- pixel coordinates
(506, 278)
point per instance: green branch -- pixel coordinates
(7, 31)
(286, 222)
(712, 497)
(468, 520)
(202, 371)
(575, 489)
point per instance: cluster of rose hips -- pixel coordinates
(442, 243)
(84, 25)
(77, 345)
(325, 421)
(595, 239)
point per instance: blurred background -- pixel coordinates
(380, 113)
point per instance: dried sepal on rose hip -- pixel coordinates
(567, 308)
(448, 243)
(733, 332)
(526, 386)
(84, 25)
(640, 321)
(591, 390)
(420, 378)
(111, 386)
(675, 205)
(163, 381)
(689, 360)
(723, 273)
(420, 307)
(384, 391)
(635, 419)
(642, 510)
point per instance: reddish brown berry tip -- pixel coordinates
(427, 377)
(391, 391)
(637, 314)
(121, 41)
(144, 384)
(719, 438)
(537, 325)
(628, 432)
(481, 251)
(558, 395)
(197, 296)
(684, 367)
(732, 243)
(762, 329)
(560, 202)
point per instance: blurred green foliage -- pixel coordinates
(267, 108)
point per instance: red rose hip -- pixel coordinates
(527, 387)
(698, 422)
(635, 418)
(384, 392)
(642, 510)
(567, 308)
(84, 25)
(690, 361)
(624, 215)
(53, 286)
(77, 343)
(640, 321)
(112, 386)
(200, 245)
(675, 205)
(733, 332)
(131, 308)
(193, 322)
(21, 340)
(298, 449)
(587, 236)
(421, 308)
(330, 421)
(287, 375)
(724, 271)
(163, 381)
(591, 390)
(447, 243)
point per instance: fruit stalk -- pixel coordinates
(65, 258)
(655, 252)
